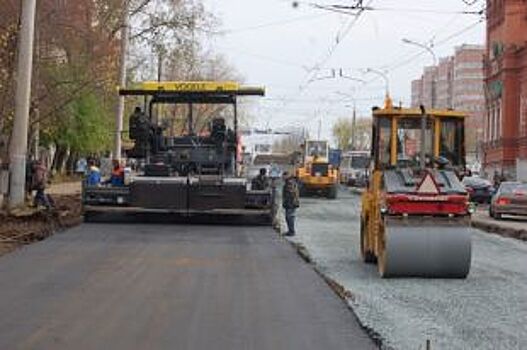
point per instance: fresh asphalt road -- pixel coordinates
(104, 286)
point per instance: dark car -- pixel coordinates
(480, 190)
(510, 199)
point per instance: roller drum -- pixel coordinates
(426, 247)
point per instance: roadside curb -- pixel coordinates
(495, 228)
(345, 295)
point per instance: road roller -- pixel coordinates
(415, 219)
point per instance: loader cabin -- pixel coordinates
(398, 140)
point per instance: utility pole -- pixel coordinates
(122, 78)
(353, 126)
(18, 145)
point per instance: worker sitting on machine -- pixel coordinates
(93, 174)
(117, 176)
(260, 182)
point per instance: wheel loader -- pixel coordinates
(187, 171)
(415, 216)
(316, 175)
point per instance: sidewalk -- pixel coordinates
(514, 227)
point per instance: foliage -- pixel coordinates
(76, 63)
(344, 131)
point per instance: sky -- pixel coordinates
(292, 50)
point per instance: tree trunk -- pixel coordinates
(58, 160)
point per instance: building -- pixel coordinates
(505, 125)
(264, 142)
(428, 98)
(417, 92)
(457, 82)
(444, 84)
(468, 95)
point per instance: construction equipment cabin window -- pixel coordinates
(409, 141)
(382, 134)
(452, 145)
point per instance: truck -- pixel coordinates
(354, 168)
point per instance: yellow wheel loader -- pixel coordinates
(316, 175)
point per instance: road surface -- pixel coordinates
(169, 287)
(488, 310)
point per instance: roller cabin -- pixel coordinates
(415, 211)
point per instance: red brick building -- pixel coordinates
(506, 89)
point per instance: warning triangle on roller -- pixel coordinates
(428, 185)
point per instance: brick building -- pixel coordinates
(506, 86)
(457, 82)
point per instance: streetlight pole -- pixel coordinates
(122, 79)
(18, 144)
(384, 76)
(423, 46)
(434, 57)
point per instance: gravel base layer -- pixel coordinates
(488, 310)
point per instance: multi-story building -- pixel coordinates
(417, 92)
(468, 95)
(428, 98)
(506, 86)
(444, 83)
(457, 83)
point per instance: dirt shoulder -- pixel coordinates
(27, 226)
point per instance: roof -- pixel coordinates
(416, 112)
(192, 91)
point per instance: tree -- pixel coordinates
(342, 132)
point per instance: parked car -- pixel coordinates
(480, 190)
(510, 199)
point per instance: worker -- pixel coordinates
(117, 176)
(260, 182)
(290, 202)
(93, 174)
(39, 181)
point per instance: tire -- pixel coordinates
(367, 256)
(302, 190)
(332, 192)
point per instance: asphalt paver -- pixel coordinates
(109, 286)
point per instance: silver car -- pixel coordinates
(510, 199)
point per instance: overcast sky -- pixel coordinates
(274, 44)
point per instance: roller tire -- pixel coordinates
(332, 192)
(367, 256)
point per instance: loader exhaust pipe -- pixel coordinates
(423, 138)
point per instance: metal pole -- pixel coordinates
(422, 154)
(36, 134)
(18, 145)
(122, 79)
(353, 125)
